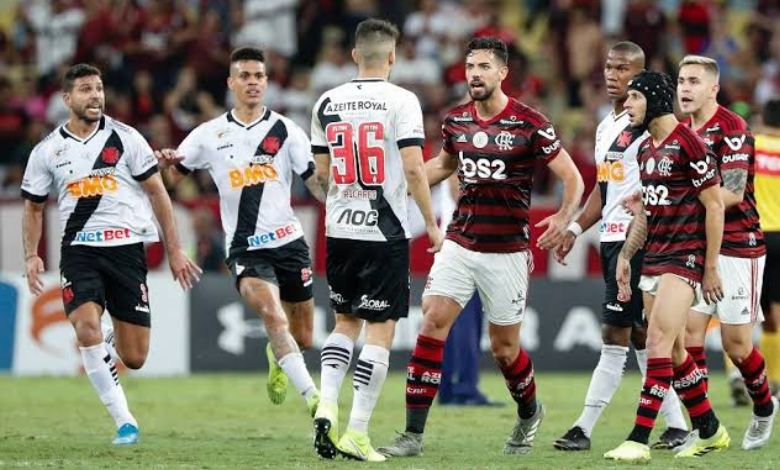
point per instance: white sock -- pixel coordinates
(670, 408)
(603, 384)
(369, 377)
(102, 373)
(295, 368)
(335, 356)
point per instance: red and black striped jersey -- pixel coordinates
(673, 174)
(496, 161)
(730, 139)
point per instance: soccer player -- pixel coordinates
(767, 185)
(618, 177)
(494, 142)
(681, 234)
(743, 252)
(367, 138)
(251, 154)
(106, 176)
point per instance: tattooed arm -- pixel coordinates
(322, 173)
(635, 240)
(733, 189)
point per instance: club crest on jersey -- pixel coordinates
(110, 155)
(665, 166)
(624, 139)
(480, 140)
(271, 144)
(504, 140)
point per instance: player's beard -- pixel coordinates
(483, 94)
(81, 113)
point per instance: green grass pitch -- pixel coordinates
(226, 421)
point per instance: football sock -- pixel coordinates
(102, 373)
(700, 358)
(423, 375)
(368, 379)
(690, 386)
(753, 371)
(670, 408)
(335, 358)
(519, 378)
(655, 387)
(293, 366)
(603, 384)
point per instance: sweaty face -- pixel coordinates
(618, 71)
(86, 99)
(695, 86)
(484, 73)
(248, 81)
(636, 105)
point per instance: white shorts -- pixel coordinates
(742, 279)
(500, 278)
(649, 284)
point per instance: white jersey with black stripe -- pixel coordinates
(97, 181)
(617, 144)
(363, 125)
(252, 165)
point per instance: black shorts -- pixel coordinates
(288, 266)
(113, 277)
(369, 279)
(770, 292)
(615, 313)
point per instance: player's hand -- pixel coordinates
(167, 157)
(556, 227)
(711, 287)
(436, 238)
(623, 278)
(565, 247)
(34, 268)
(183, 269)
(633, 203)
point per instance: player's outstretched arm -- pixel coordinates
(563, 167)
(713, 223)
(590, 214)
(32, 227)
(166, 161)
(416, 179)
(183, 269)
(635, 240)
(733, 189)
(440, 168)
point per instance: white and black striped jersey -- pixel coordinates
(363, 125)
(252, 165)
(97, 179)
(617, 172)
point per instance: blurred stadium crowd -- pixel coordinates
(165, 61)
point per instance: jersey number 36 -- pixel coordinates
(364, 155)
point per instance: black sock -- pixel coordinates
(526, 410)
(415, 419)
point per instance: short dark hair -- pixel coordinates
(771, 112)
(247, 53)
(497, 46)
(78, 71)
(375, 30)
(631, 49)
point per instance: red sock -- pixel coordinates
(423, 375)
(690, 387)
(519, 376)
(654, 389)
(753, 371)
(700, 358)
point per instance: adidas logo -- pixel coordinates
(462, 138)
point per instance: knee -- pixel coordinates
(738, 349)
(504, 353)
(273, 319)
(657, 343)
(435, 322)
(615, 335)
(304, 338)
(88, 332)
(134, 360)
(639, 337)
